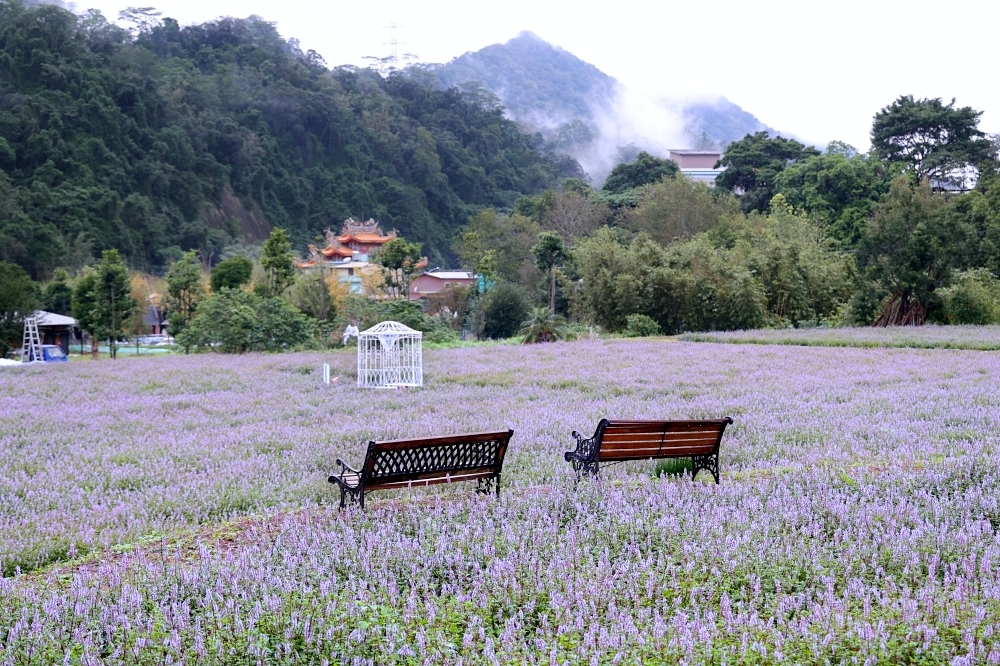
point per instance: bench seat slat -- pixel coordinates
(421, 476)
(658, 441)
(611, 435)
(350, 478)
(655, 453)
(427, 481)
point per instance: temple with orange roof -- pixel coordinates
(347, 254)
(357, 240)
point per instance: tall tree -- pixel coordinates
(498, 245)
(184, 291)
(58, 295)
(85, 307)
(645, 169)
(113, 301)
(678, 208)
(18, 299)
(752, 165)
(400, 258)
(909, 250)
(550, 253)
(936, 140)
(840, 189)
(573, 214)
(279, 271)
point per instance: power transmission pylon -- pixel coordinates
(393, 46)
(31, 344)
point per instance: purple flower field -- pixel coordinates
(176, 510)
(929, 336)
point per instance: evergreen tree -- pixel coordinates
(400, 258)
(279, 271)
(936, 140)
(85, 306)
(550, 253)
(113, 302)
(184, 291)
(18, 299)
(58, 295)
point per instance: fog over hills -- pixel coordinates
(582, 111)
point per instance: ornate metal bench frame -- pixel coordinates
(405, 463)
(585, 458)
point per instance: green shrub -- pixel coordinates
(640, 326)
(504, 308)
(232, 273)
(974, 298)
(235, 322)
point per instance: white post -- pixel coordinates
(326, 374)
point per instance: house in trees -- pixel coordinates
(154, 319)
(698, 165)
(437, 282)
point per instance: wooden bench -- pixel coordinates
(618, 441)
(405, 463)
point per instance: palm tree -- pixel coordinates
(543, 326)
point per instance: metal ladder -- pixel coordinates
(31, 345)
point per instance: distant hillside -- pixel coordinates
(720, 122)
(534, 80)
(581, 110)
(202, 136)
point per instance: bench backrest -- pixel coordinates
(411, 462)
(639, 440)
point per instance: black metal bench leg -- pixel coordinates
(343, 496)
(498, 486)
(709, 463)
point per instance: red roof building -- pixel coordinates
(357, 240)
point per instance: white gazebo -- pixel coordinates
(390, 355)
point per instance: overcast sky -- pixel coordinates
(819, 71)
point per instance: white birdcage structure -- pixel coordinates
(390, 355)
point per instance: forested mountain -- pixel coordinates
(548, 88)
(165, 139)
(534, 80)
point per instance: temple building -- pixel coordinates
(357, 240)
(348, 254)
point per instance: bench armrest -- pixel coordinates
(584, 448)
(344, 467)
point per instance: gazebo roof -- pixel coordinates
(389, 327)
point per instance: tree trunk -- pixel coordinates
(902, 310)
(552, 290)
(112, 349)
(324, 296)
